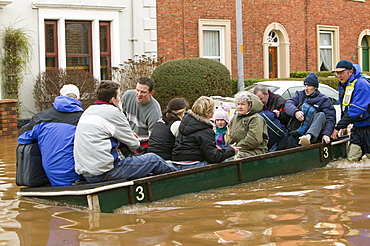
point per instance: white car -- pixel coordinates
(287, 89)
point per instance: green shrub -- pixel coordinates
(247, 82)
(332, 82)
(190, 78)
(297, 74)
(324, 73)
(49, 83)
(15, 58)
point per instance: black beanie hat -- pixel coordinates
(311, 79)
(176, 104)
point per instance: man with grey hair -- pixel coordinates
(273, 112)
(54, 130)
(272, 102)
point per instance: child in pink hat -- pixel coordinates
(221, 118)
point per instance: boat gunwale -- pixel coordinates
(91, 188)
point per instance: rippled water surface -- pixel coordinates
(328, 206)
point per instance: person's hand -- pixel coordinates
(326, 139)
(299, 115)
(343, 132)
(334, 134)
(136, 136)
(277, 112)
(236, 149)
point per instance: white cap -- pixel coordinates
(68, 89)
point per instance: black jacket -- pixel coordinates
(196, 141)
(161, 140)
(277, 102)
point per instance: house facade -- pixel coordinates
(279, 36)
(91, 35)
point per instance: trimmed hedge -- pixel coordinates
(331, 81)
(190, 78)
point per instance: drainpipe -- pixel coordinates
(133, 38)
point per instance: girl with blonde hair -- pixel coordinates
(195, 145)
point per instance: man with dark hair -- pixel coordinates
(354, 91)
(100, 132)
(54, 130)
(140, 107)
(313, 111)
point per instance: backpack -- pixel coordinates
(275, 129)
(298, 128)
(29, 170)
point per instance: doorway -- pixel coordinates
(365, 54)
(273, 66)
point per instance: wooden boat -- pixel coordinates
(107, 196)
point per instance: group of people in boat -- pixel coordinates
(128, 137)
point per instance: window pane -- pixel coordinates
(49, 38)
(326, 59)
(211, 43)
(364, 42)
(78, 63)
(103, 38)
(325, 39)
(77, 38)
(105, 67)
(50, 63)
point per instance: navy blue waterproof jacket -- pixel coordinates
(321, 103)
(54, 130)
(358, 110)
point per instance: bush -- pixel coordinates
(190, 78)
(297, 74)
(129, 72)
(332, 82)
(247, 82)
(49, 83)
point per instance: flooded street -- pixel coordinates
(328, 206)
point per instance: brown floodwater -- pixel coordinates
(327, 206)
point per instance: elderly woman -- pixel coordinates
(195, 145)
(248, 129)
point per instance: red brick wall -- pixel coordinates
(177, 23)
(8, 120)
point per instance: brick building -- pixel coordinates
(279, 36)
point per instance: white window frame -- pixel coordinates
(221, 34)
(334, 31)
(328, 47)
(223, 26)
(77, 12)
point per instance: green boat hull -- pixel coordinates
(106, 197)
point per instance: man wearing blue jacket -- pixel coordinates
(354, 99)
(313, 111)
(54, 131)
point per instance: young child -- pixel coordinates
(195, 144)
(221, 118)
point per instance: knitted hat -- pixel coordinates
(176, 104)
(311, 79)
(225, 106)
(70, 89)
(221, 114)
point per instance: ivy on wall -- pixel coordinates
(16, 51)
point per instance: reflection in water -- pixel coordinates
(327, 206)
